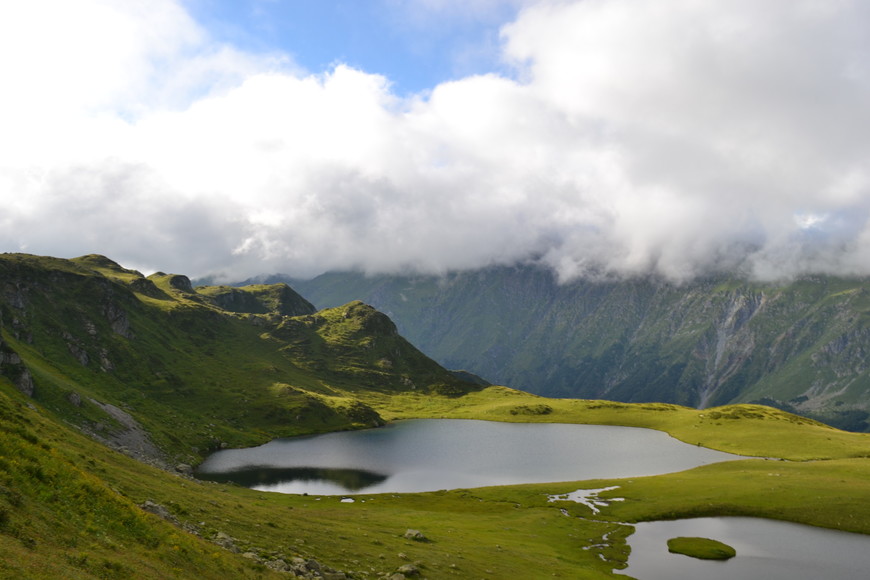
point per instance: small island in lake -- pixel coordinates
(702, 548)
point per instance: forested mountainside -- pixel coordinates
(801, 345)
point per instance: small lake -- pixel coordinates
(434, 454)
(766, 549)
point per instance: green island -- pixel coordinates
(701, 548)
(113, 384)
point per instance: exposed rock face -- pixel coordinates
(75, 348)
(118, 319)
(12, 367)
(181, 283)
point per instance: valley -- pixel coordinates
(800, 345)
(113, 385)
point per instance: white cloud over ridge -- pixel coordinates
(675, 137)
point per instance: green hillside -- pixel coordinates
(800, 345)
(196, 368)
(112, 385)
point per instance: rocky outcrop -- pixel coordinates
(295, 566)
(118, 319)
(181, 283)
(14, 369)
(258, 299)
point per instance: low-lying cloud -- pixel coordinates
(672, 137)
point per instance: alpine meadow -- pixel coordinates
(115, 384)
(434, 289)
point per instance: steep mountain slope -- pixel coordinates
(157, 366)
(802, 346)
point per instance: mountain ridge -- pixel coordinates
(800, 345)
(110, 350)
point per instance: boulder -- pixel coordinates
(408, 570)
(415, 535)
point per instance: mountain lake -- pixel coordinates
(433, 454)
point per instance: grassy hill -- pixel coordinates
(196, 368)
(162, 373)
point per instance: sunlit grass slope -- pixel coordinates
(63, 516)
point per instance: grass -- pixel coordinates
(752, 430)
(702, 548)
(196, 376)
(496, 532)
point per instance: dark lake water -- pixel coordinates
(433, 454)
(766, 549)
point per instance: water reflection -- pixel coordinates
(270, 477)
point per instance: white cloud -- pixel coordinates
(669, 136)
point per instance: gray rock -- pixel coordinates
(118, 319)
(225, 541)
(158, 510)
(278, 565)
(24, 382)
(415, 535)
(13, 368)
(313, 565)
(409, 570)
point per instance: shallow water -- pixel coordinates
(433, 454)
(766, 549)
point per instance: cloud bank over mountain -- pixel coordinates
(675, 137)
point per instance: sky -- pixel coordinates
(601, 138)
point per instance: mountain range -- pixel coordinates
(800, 345)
